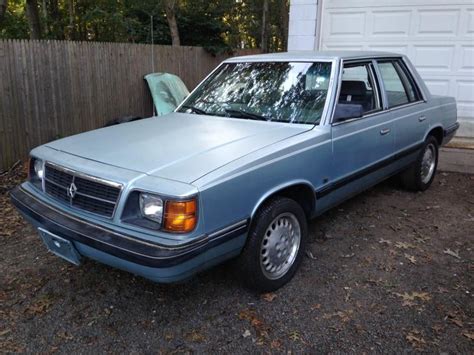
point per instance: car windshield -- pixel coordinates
(268, 91)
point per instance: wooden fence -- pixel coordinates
(51, 89)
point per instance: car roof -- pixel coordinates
(310, 56)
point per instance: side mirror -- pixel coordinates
(345, 112)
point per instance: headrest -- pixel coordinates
(353, 87)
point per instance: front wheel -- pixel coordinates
(275, 245)
(421, 174)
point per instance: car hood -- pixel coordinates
(177, 146)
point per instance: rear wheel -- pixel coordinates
(421, 174)
(275, 245)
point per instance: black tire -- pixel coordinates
(249, 264)
(412, 178)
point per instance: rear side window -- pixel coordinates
(399, 86)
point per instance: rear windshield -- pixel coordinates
(292, 92)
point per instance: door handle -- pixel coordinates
(421, 118)
(385, 131)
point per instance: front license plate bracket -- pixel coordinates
(60, 246)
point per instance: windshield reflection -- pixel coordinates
(272, 91)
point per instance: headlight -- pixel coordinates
(151, 207)
(36, 172)
(39, 168)
(151, 211)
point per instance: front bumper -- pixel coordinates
(152, 260)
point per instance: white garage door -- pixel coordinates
(437, 36)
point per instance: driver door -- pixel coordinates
(360, 144)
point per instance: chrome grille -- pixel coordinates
(81, 191)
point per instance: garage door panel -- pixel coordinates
(465, 90)
(391, 23)
(467, 55)
(343, 24)
(343, 47)
(437, 35)
(439, 22)
(402, 49)
(469, 28)
(438, 86)
(433, 58)
(345, 4)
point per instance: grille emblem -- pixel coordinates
(71, 191)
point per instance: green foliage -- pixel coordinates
(14, 24)
(219, 25)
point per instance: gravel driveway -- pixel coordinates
(388, 271)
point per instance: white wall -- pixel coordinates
(302, 27)
(437, 36)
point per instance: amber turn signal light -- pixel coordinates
(180, 216)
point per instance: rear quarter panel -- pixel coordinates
(446, 115)
(441, 110)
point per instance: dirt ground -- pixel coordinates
(388, 271)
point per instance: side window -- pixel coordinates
(399, 87)
(358, 87)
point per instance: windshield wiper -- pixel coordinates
(246, 114)
(195, 109)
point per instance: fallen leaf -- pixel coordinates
(295, 336)
(408, 303)
(409, 299)
(65, 335)
(456, 321)
(5, 332)
(437, 328)
(316, 306)
(443, 290)
(470, 336)
(259, 326)
(415, 339)
(452, 253)
(404, 245)
(275, 344)
(345, 316)
(454, 317)
(411, 258)
(422, 239)
(195, 336)
(39, 307)
(269, 297)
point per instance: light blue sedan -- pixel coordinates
(261, 146)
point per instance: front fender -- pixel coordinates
(279, 188)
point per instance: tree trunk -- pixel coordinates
(264, 37)
(56, 27)
(285, 18)
(3, 9)
(71, 27)
(33, 19)
(170, 9)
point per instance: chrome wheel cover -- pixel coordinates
(428, 163)
(280, 245)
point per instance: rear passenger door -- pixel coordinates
(405, 103)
